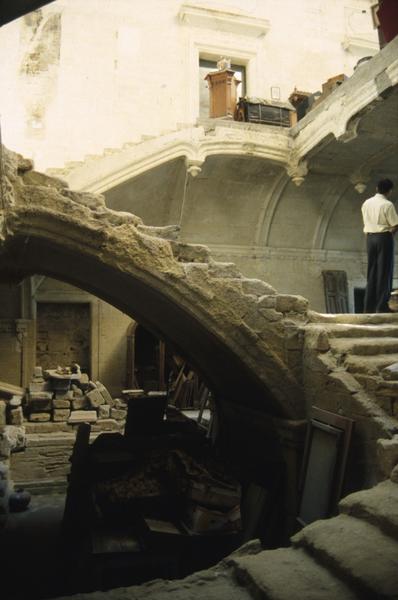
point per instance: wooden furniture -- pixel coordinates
(257, 110)
(222, 89)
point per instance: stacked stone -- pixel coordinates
(73, 400)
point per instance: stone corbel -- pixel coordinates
(193, 166)
(297, 171)
(359, 181)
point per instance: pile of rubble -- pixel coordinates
(64, 396)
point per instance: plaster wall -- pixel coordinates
(85, 75)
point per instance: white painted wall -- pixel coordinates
(127, 68)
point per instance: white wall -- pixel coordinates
(126, 69)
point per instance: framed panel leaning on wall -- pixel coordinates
(324, 464)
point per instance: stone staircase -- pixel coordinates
(365, 346)
(91, 158)
(353, 556)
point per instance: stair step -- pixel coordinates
(378, 506)
(349, 331)
(366, 346)
(356, 551)
(288, 574)
(372, 365)
(354, 319)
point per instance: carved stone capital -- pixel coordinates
(194, 166)
(297, 171)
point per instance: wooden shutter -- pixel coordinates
(336, 291)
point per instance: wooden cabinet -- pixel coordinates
(222, 90)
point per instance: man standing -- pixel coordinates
(380, 222)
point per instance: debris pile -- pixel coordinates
(65, 395)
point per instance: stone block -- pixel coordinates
(83, 416)
(387, 452)
(106, 395)
(106, 425)
(77, 392)
(121, 403)
(39, 386)
(287, 303)
(257, 287)
(391, 372)
(14, 437)
(267, 301)
(16, 416)
(61, 414)
(79, 403)
(39, 417)
(95, 398)
(61, 404)
(49, 427)
(2, 413)
(104, 411)
(38, 372)
(15, 401)
(118, 413)
(40, 401)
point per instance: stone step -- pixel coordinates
(353, 319)
(349, 331)
(288, 574)
(355, 551)
(378, 506)
(365, 346)
(371, 365)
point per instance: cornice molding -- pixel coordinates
(227, 21)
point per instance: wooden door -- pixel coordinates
(336, 291)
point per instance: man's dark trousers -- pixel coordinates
(380, 248)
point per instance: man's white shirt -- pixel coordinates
(379, 214)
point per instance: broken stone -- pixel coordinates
(61, 414)
(106, 395)
(16, 416)
(106, 425)
(390, 372)
(76, 390)
(38, 372)
(104, 411)
(82, 416)
(118, 413)
(14, 437)
(286, 303)
(40, 405)
(394, 474)
(39, 386)
(15, 401)
(257, 287)
(387, 452)
(91, 385)
(120, 403)
(61, 404)
(39, 417)
(79, 403)
(95, 398)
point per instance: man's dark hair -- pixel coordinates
(384, 186)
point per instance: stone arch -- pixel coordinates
(229, 327)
